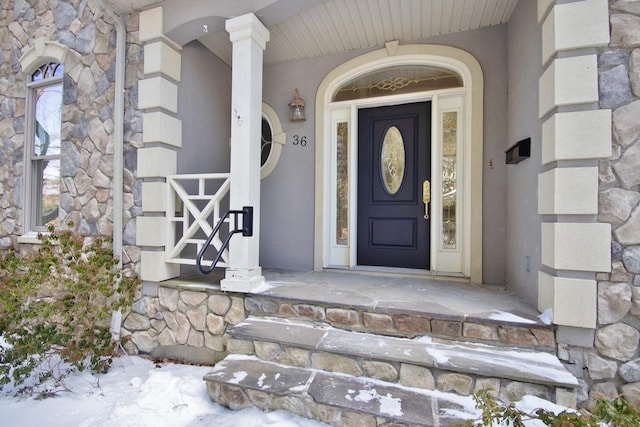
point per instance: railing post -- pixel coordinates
(170, 228)
(249, 38)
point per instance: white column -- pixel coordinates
(249, 38)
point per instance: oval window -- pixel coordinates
(392, 160)
(266, 142)
(272, 139)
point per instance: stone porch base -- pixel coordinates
(195, 321)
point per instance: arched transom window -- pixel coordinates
(398, 80)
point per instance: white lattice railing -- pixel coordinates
(193, 210)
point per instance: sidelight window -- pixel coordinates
(342, 183)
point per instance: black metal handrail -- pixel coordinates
(246, 230)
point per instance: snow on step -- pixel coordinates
(480, 359)
(364, 395)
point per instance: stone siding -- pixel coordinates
(183, 322)
(86, 198)
(612, 366)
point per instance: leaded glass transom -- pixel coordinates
(47, 71)
(398, 80)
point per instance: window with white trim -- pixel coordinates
(271, 141)
(42, 146)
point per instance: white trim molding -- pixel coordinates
(457, 60)
(161, 136)
(42, 50)
(574, 130)
(577, 246)
(564, 28)
(577, 135)
(573, 301)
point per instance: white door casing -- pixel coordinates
(466, 101)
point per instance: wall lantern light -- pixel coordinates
(296, 108)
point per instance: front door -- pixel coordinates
(394, 159)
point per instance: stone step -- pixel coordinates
(427, 362)
(340, 400)
(406, 319)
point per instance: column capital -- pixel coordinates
(245, 27)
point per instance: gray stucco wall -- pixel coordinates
(204, 99)
(288, 193)
(489, 47)
(523, 222)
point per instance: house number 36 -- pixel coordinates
(300, 140)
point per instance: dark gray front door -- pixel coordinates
(394, 151)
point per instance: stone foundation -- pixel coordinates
(185, 323)
(190, 323)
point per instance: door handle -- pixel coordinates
(426, 197)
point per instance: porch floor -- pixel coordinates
(384, 293)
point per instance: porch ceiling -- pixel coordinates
(306, 29)
(337, 26)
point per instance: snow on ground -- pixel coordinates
(137, 392)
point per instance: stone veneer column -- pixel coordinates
(249, 38)
(575, 134)
(613, 365)
(161, 135)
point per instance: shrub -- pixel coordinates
(615, 413)
(56, 304)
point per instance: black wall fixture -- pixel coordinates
(519, 151)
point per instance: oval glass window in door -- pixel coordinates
(392, 160)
